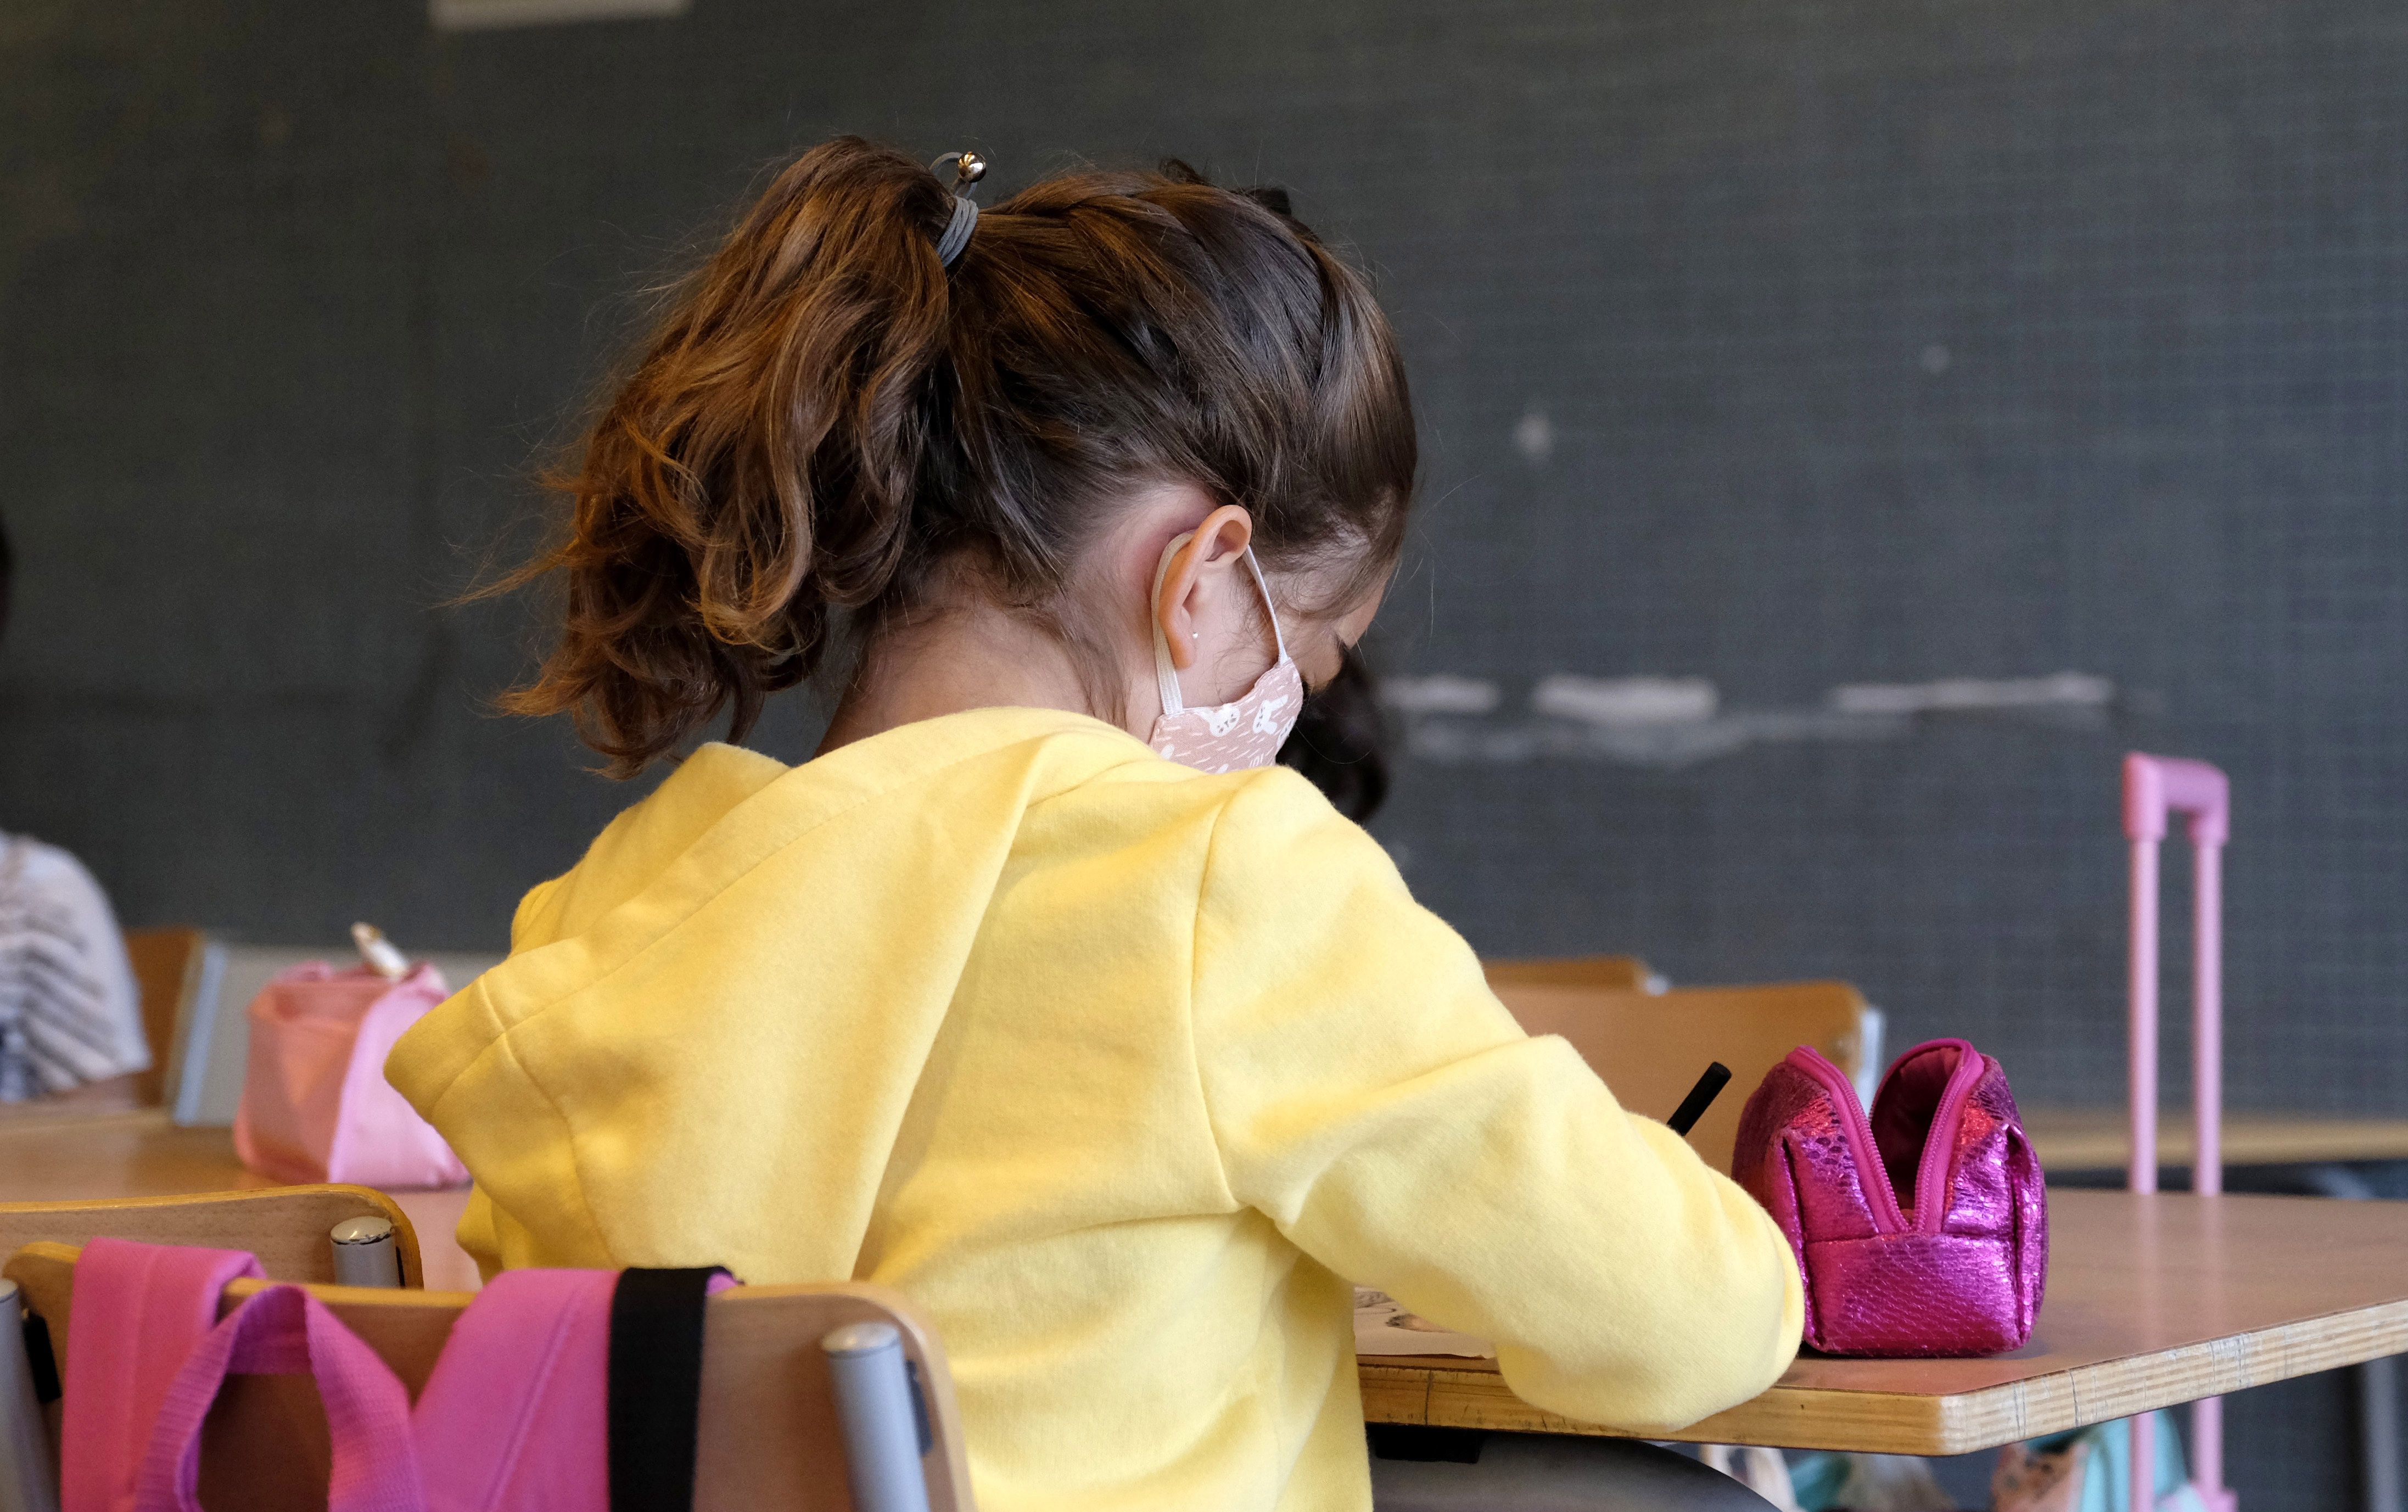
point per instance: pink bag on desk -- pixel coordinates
(1922, 1230)
(315, 1103)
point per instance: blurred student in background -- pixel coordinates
(69, 1014)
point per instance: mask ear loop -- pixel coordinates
(1268, 607)
(1166, 676)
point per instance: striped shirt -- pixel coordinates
(69, 1012)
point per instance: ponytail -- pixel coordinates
(756, 468)
(827, 411)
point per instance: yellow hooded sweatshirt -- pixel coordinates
(1121, 1072)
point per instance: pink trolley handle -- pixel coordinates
(2155, 788)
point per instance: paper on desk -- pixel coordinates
(1381, 1327)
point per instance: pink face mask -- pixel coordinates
(1229, 737)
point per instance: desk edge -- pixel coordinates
(1959, 1422)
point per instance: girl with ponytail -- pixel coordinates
(1038, 993)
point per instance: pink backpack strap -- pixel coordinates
(139, 1311)
(568, 1392)
(284, 1330)
(515, 1415)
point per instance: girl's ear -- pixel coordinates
(1205, 565)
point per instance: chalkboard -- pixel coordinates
(1850, 426)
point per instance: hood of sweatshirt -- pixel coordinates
(754, 958)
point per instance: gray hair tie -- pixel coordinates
(968, 168)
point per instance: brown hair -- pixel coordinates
(827, 416)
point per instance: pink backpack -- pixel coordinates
(516, 1417)
(315, 1103)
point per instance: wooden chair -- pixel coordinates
(1620, 974)
(1651, 1047)
(770, 1436)
(167, 970)
(286, 1227)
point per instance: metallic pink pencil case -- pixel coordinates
(1922, 1230)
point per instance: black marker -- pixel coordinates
(1700, 1098)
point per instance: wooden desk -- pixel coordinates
(2099, 1139)
(2152, 1301)
(143, 1155)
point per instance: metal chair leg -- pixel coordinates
(883, 1442)
(28, 1481)
(364, 1253)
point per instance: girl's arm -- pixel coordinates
(1371, 1096)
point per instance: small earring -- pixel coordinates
(1194, 635)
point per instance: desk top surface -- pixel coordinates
(2152, 1301)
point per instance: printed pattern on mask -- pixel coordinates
(1232, 737)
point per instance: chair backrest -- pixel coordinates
(1651, 1047)
(168, 971)
(770, 1435)
(1625, 974)
(286, 1227)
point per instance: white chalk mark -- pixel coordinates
(1626, 701)
(1534, 436)
(2074, 690)
(1671, 722)
(1665, 745)
(1441, 693)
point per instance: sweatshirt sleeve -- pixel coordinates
(1370, 1095)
